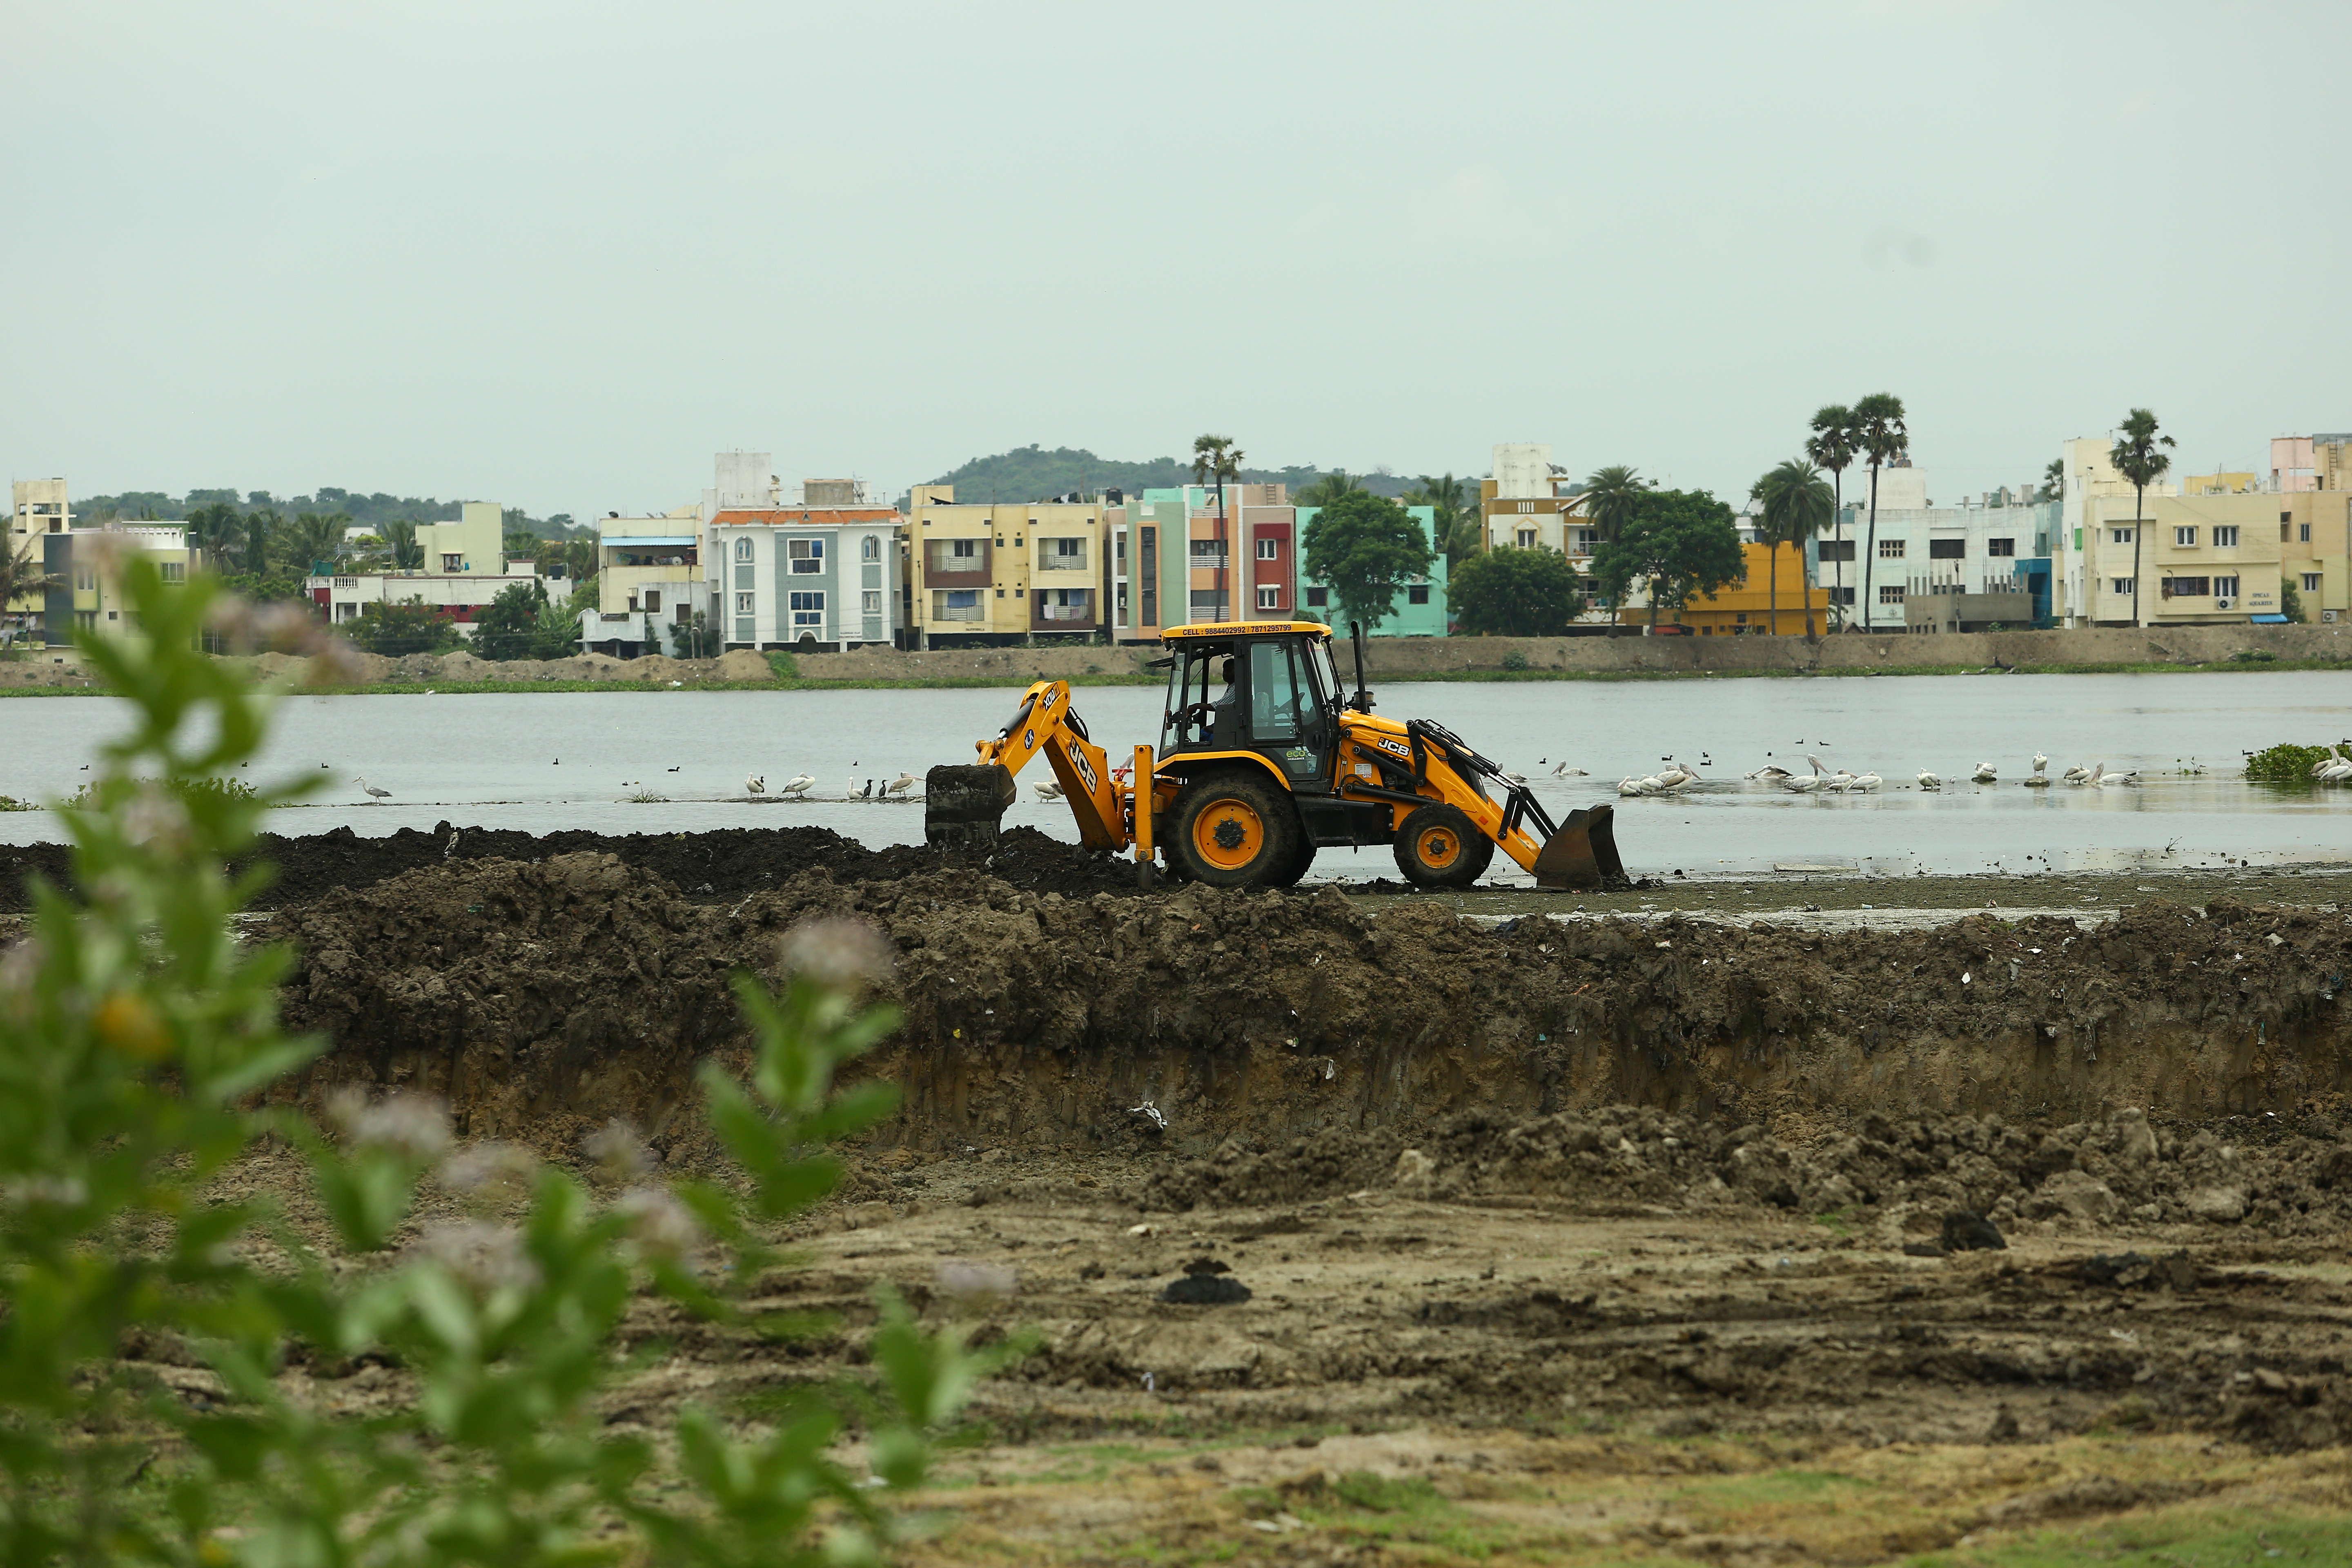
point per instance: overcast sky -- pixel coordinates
(558, 254)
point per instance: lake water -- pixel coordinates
(544, 761)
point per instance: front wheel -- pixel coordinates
(1233, 831)
(1438, 848)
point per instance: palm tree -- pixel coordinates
(259, 525)
(1831, 447)
(2136, 458)
(1215, 459)
(2053, 480)
(1796, 503)
(313, 538)
(217, 529)
(400, 540)
(1611, 496)
(24, 574)
(1327, 489)
(1878, 431)
(1460, 531)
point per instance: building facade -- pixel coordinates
(1993, 543)
(994, 574)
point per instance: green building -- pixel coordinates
(1419, 607)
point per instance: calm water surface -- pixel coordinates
(543, 761)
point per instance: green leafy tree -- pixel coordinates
(2290, 600)
(1511, 592)
(1461, 530)
(1832, 447)
(509, 626)
(1681, 543)
(1879, 435)
(1327, 489)
(397, 630)
(259, 525)
(2053, 480)
(1365, 547)
(139, 1047)
(1794, 503)
(2139, 456)
(401, 545)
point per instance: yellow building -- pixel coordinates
(1746, 609)
(2209, 559)
(2221, 484)
(994, 574)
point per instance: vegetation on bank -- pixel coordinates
(139, 1041)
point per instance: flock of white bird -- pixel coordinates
(2332, 768)
(797, 786)
(1676, 777)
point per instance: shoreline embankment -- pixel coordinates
(2148, 650)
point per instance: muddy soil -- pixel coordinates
(724, 864)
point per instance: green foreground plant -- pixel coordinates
(136, 1032)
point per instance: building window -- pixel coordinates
(808, 611)
(1526, 506)
(2187, 536)
(873, 605)
(1317, 598)
(742, 550)
(1947, 549)
(2225, 536)
(1890, 594)
(1069, 550)
(2225, 587)
(1890, 549)
(1269, 597)
(653, 598)
(963, 549)
(999, 593)
(1586, 538)
(744, 604)
(869, 548)
(453, 563)
(176, 570)
(2121, 585)
(1416, 593)
(2310, 582)
(1841, 596)
(1836, 549)
(2120, 536)
(1267, 550)
(2000, 547)
(2187, 587)
(2302, 533)
(807, 556)
(1208, 552)
(1527, 539)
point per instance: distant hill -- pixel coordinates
(368, 510)
(1032, 473)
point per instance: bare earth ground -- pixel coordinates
(1598, 1241)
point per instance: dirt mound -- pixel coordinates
(1907, 1177)
(722, 863)
(1186, 1021)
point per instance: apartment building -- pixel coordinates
(820, 577)
(466, 567)
(39, 507)
(2218, 558)
(1991, 544)
(992, 574)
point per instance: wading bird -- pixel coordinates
(1986, 773)
(901, 784)
(378, 794)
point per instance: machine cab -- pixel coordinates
(1271, 689)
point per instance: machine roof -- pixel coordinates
(1246, 629)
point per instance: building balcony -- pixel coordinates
(942, 612)
(1061, 562)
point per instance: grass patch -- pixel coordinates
(2195, 1535)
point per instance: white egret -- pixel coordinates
(378, 794)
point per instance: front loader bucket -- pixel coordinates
(1582, 856)
(963, 804)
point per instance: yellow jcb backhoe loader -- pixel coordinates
(1263, 759)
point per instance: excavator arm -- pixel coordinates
(1045, 723)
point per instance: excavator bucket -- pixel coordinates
(964, 804)
(1582, 856)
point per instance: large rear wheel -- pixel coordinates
(1301, 859)
(1438, 848)
(1234, 831)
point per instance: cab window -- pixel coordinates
(1277, 696)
